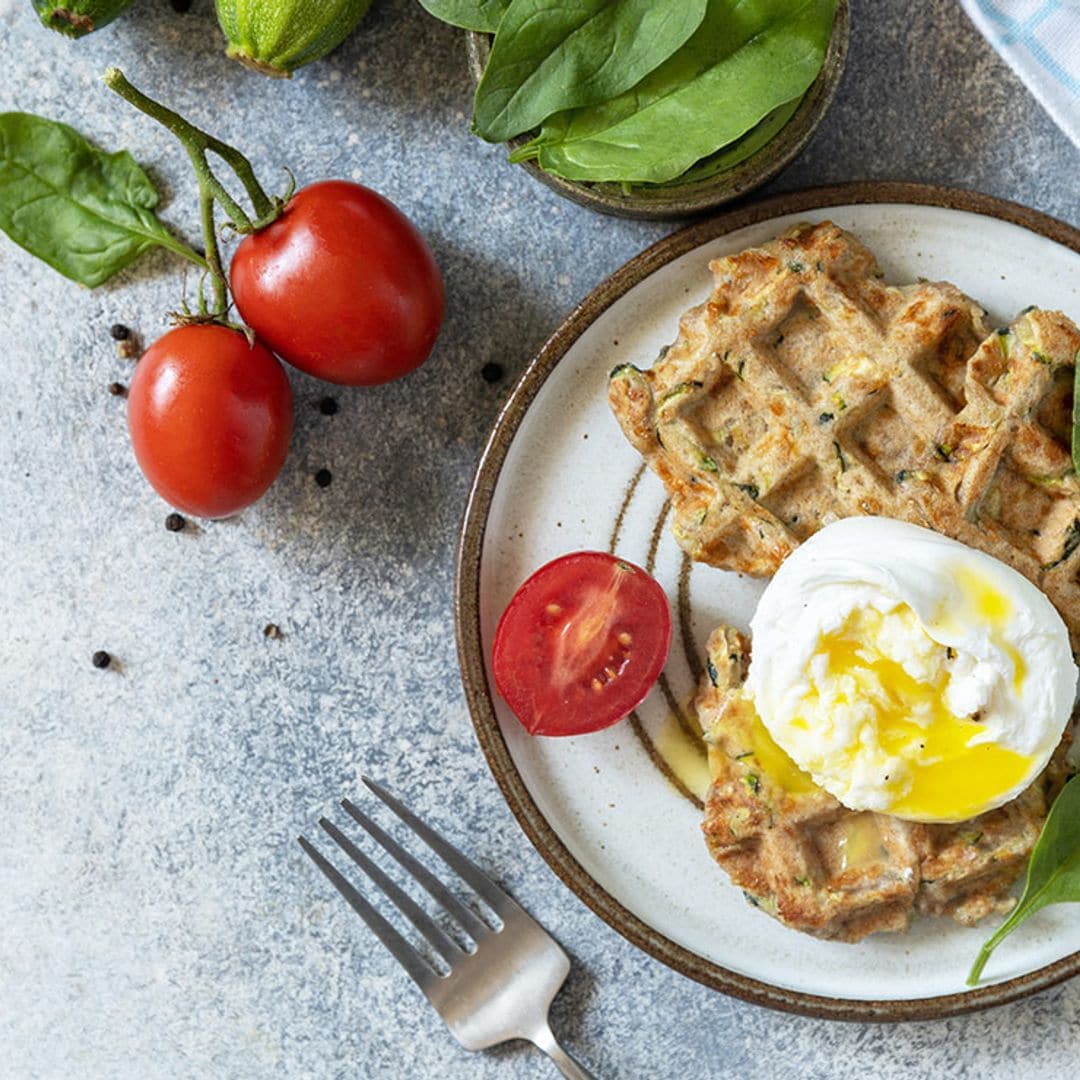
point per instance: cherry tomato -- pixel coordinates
(581, 644)
(210, 418)
(341, 285)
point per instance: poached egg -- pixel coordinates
(909, 674)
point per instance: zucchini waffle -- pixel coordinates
(832, 872)
(805, 390)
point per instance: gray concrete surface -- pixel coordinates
(156, 916)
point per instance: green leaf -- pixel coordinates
(737, 152)
(1053, 875)
(86, 213)
(747, 58)
(550, 56)
(482, 15)
(1076, 416)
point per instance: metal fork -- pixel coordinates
(500, 990)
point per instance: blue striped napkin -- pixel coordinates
(1040, 41)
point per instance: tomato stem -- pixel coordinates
(213, 255)
(198, 143)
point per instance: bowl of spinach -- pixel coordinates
(651, 110)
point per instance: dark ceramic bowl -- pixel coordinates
(685, 200)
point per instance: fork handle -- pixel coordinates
(546, 1041)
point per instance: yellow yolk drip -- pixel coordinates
(894, 715)
(983, 603)
(775, 763)
(767, 757)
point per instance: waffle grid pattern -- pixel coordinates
(806, 390)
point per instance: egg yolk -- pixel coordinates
(767, 756)
(775, 763)
(878, 696)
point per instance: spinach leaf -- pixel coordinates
(1076, 416)
(553, 56)
(86, 213)
(482, 15)
(1054, 871)
(737, 152)
(747, 58)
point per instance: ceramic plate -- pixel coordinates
(616, 814)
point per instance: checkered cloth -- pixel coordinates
(1040, 41)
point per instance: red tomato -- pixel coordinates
(342, 285)
(210, 419)
(581, 644)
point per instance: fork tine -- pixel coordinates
(401, 950)
(468, 870)
(473, 925)
(397, 896)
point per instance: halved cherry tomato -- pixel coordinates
(210, 416)
(581, 644)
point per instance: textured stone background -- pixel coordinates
(156, 916)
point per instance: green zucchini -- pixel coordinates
(278, 36)
(79, 17)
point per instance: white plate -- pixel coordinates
(553, 479)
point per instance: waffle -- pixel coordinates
(836, 873)
(805, 389)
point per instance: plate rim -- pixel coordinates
(467, 604)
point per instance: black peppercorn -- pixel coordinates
(272, 631)
(323, 478)
(117, 389)
(101, 659)
(119, 332)
(328, 406)
(492, 372)
(175, 522)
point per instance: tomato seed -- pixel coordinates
(553, 609)
(624, 639)
(597, 686)
(175, 522)
(101, 659)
